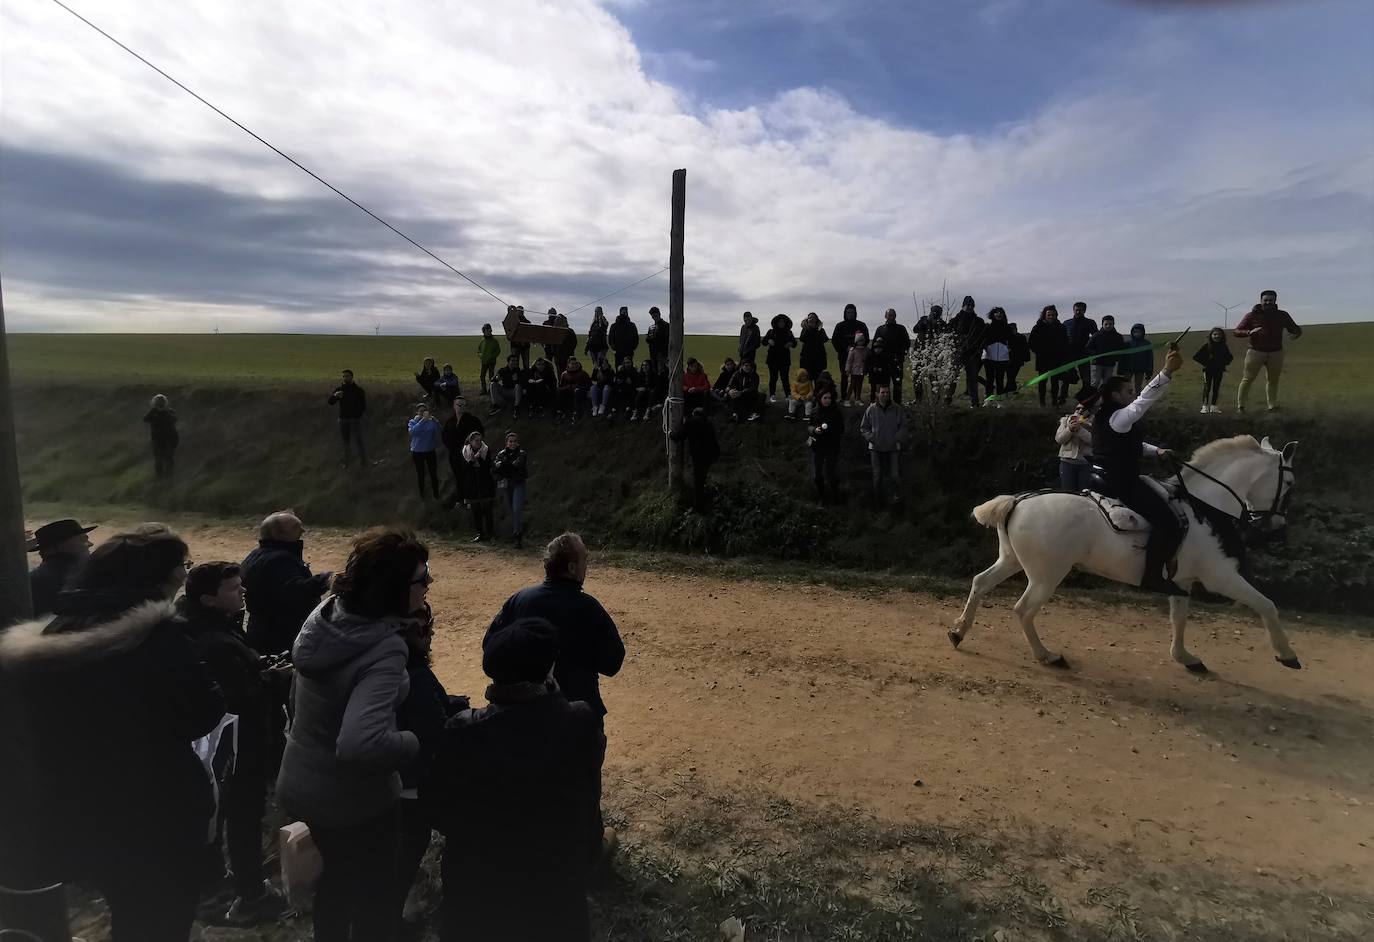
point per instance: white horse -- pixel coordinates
(1046, 535)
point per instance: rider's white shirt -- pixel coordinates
(1125, 418)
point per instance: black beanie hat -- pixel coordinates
(523, 651)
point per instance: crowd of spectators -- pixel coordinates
(171, 703)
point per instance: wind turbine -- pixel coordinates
(377, 331)
(1226, 318)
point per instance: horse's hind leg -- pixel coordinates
(1178, 616)
(1233, 585)
(1007, 565)
(1038, 592)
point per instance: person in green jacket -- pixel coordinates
(489, 351)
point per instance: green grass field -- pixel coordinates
(1328, 368)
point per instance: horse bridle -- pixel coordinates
(1253, 519)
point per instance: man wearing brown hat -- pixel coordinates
(62, 546)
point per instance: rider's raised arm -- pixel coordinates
(1128, 415)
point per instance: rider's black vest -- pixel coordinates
(1116, 453)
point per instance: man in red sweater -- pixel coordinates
(1264, 325)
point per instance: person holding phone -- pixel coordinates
(424, 443)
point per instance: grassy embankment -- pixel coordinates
(257, 435)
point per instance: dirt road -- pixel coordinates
(1260, 776)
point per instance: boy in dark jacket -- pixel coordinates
(1138, 358)
(1107, 340)
(254, 691)
(515, 789)
(749, 339)
(624, 337)
(743, 394)
(842, 338)
(1214, 356)
(508, 388)
(656, 337)
(457, 428)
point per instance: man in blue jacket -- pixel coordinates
(281, 590)
(589, 643)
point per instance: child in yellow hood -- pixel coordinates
(803, 396)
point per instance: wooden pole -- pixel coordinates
(675, 448)
(15, 603)
(43, 909)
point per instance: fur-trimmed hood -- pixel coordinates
(30, 646)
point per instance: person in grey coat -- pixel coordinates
(340, 773)
(884, 428)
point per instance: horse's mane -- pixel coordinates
(1222, 447)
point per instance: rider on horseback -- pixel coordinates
(1118, 444)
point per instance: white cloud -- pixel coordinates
(530, 141)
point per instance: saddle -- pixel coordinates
(1123, 519)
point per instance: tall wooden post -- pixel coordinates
(675, 366)
(15, 603)
(41, 910)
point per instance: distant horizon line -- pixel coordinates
(298, 333)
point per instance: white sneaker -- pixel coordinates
(1206, 409)
(1216, 409)
(772, 398)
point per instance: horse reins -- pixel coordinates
(1247, 517)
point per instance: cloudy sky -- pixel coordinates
(1149, 157)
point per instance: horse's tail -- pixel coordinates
(994, 513)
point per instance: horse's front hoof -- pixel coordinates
(1058, 661)
(1291, 662)
(1197, 667)
(954, 638)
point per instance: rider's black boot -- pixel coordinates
(1154, 579)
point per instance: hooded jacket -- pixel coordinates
(1138, 355)
(779, 343)
(842, 337)
(344, 754)
(814, 340)
(114, 696)
(624, 336)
